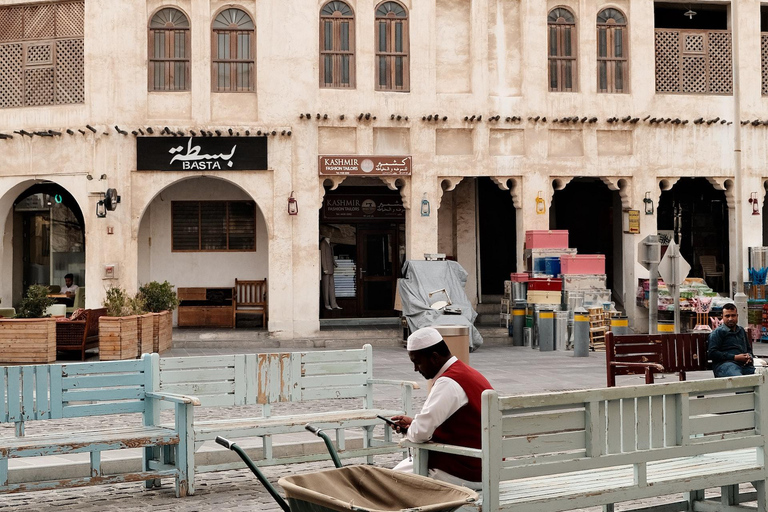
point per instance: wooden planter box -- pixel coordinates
(27, 340)
(118, 337)
(145, 326)
(162, 338)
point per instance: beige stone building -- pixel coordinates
(393, 128)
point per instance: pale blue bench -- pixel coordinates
(579, 449)
(34, 396)
(338, 381)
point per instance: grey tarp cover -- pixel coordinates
(422, 277)
(372, 489)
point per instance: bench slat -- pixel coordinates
(546, 443)
(196, 375)
(201, 389)
(168, 364)
(28, 392)
(42, 386)
(324, 393)
(657, 422)
(14, 394)
(103, 381)
(3, 396)
(99, 367)
(715, 404)
(335, 381)
(78, 395)
(545, 423)
(709, 424)
(335, 368)
(628, 438)
(333, 356)
(124, 407)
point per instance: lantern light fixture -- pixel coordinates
(293, 205)
(648, 204)
(753, 201)
(425, 208)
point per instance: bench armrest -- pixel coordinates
(655, 366)
(444, 448)
(406, 391)
(171, 397)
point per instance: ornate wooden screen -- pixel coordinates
(694, 61)
(41, 54)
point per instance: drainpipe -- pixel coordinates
(739, 296)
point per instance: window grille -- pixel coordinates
(234, 50)
(392, 48)
(169, 51)
(213, 226)
(693, 61)
(562, 51)
(612, 56)
(41, 54)
(337, 45)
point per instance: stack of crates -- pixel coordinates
(543, 251)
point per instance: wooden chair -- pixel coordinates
(250, 298)
(711, 268)
(78, 301)
(81, 334)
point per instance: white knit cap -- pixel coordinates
(423, 338)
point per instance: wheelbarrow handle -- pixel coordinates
(226, 443)
(328, 443)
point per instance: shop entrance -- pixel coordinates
(591, 213)
(497, 229)
(365, 229)
(695, 216)
(51, 241)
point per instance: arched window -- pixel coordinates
(169, 51)
(337, 45)
(562, 50)
(612, 61)
(392, 72)
(234, 51)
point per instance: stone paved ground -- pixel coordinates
(512, 370)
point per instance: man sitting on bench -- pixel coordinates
(729, 348)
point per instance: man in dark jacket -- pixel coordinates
(729, 348)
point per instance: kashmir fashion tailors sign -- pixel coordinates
(201, 153)
(357, 165)
(338, 207)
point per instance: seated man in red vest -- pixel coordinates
(451, 413)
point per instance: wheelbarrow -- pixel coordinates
(359, 488)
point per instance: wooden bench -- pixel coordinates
(250, 298)
(81, 334)
(253, 386)
(34, 396)
(646, 354)
(579, 449)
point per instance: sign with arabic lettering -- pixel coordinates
(339, 207)
(357, 165)
(201, 153)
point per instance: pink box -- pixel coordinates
(546, 239)
(521, 277)
(583, 264)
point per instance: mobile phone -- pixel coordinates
(389, 421)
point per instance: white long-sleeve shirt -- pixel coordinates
(445, 398)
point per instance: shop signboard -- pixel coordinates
(201, 153)
(633, 222)
(348, 207)
(358, 165)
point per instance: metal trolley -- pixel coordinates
(359, 488)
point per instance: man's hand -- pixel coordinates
(743, 358)
(403, 422)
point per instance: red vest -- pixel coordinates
(463, 427)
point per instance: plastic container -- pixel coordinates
(583, 264)
(520, 277)
(546, 239)
(552, 265)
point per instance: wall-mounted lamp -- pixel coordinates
(293, 205)
(648, 204)
(541, 206)
(425, 209)
(753, 201)
(101, 209)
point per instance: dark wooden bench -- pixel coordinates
(81, 334)
(646, 354)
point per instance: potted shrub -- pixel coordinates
(160, 299)
(144, 324)
(118, 329)
(29, 337)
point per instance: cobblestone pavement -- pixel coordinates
(512, 370)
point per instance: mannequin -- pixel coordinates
(327, 264)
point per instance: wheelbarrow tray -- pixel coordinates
(372, 489)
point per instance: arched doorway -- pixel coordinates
(48, 238)
(695, 216)
(201, 234)
(497, 231)
(591, 213)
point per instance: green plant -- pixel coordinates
(116, 302)
(34, 304)
(137, 305)
(159, 296)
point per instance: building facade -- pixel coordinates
(239, 135)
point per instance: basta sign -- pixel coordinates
(357, 165)
(201, 153)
